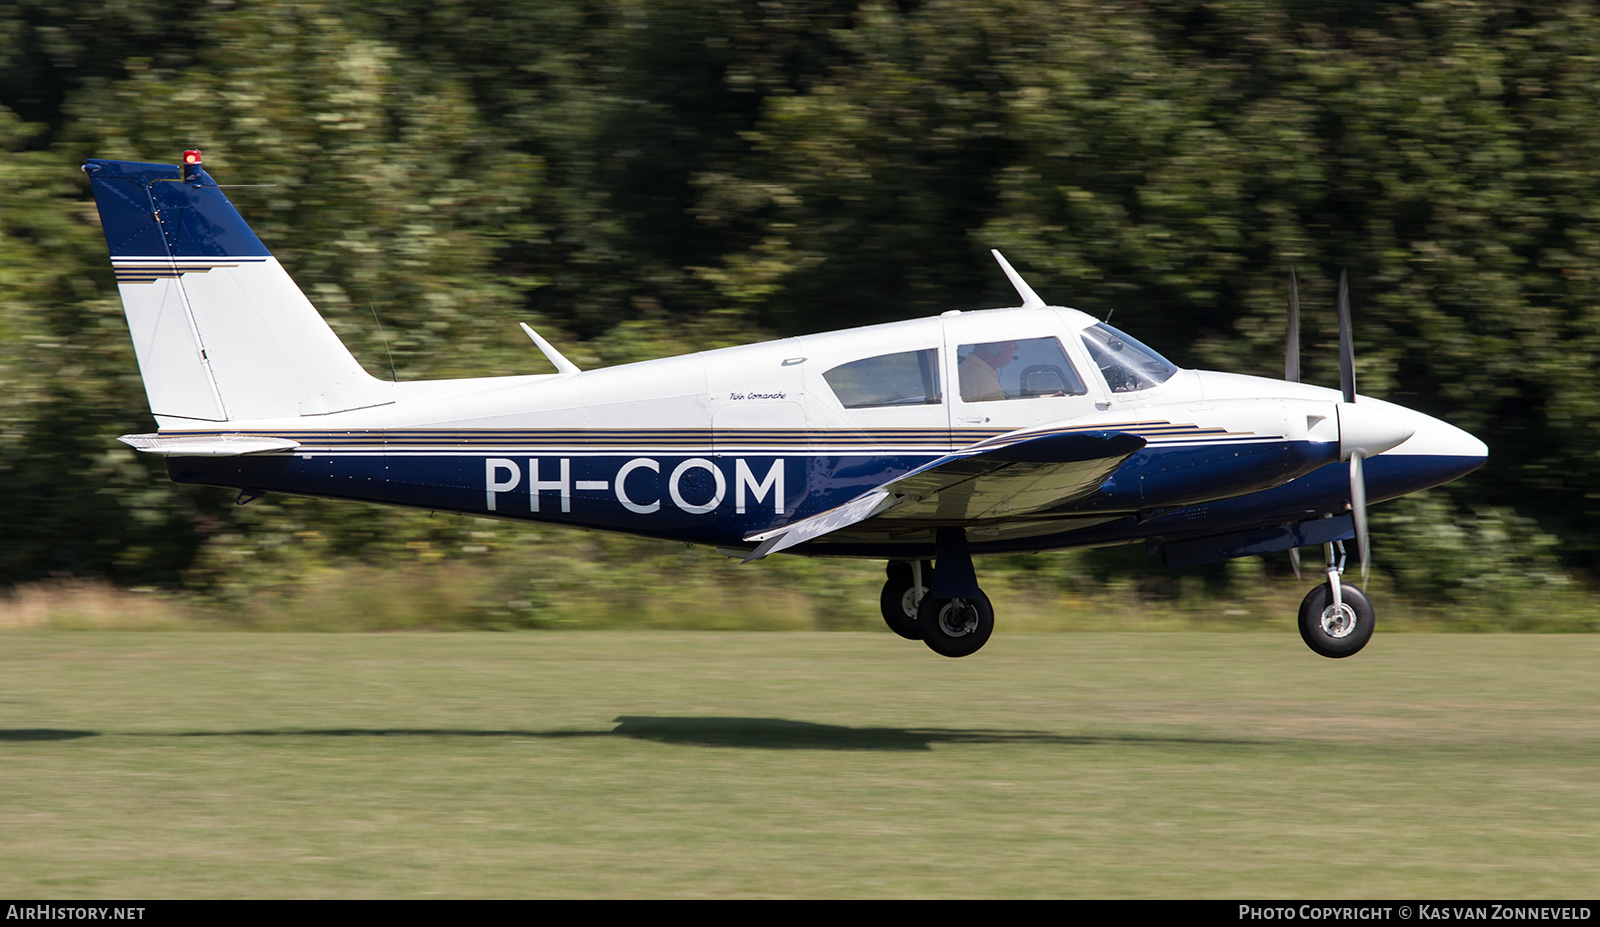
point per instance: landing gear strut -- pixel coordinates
(903, 591)
(1336, 618)
(939, 603)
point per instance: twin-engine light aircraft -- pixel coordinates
(920, 442)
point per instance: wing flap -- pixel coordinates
(1012, 476)
(858, 509)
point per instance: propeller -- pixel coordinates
(1291, 347)
(1291, 371)
(1363, 431)
(1347, 354)
(1347, 386)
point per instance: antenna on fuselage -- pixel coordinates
(1030, 299)
(562, 364)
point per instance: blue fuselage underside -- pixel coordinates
(720, 497)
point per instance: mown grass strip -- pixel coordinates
(699, 764)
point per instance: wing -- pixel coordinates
(1006, 477)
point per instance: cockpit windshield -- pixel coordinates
(1127, 365)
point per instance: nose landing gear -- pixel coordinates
(1336, 618)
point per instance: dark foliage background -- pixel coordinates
(642, 178)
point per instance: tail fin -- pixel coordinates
(221, 331)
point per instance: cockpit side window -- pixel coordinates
(1023, 369)
(1127, 365)
(910, 378)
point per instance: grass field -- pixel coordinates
(700, 764)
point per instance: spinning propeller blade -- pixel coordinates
(1347, 385)
(1291, 347)
(1291, 369)
(1358, 513)
(1352, 433)
(1347, 353)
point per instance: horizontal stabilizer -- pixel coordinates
(207, 445)
(1007, 477)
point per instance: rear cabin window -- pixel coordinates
(910, 378)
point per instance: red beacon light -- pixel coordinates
(191, 159)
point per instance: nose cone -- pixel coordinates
(1436, 453)
(1455, 452)
(1431, 436)
(1445, 438)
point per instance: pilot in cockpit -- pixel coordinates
(980, 371)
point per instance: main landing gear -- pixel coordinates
(939, 603)
(956, 627)
(1336, 618)
(942, 607)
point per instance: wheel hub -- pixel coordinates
(1338, 621)
(959, 618)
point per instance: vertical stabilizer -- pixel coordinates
(221, 331)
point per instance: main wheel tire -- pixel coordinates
(956, 627)
(898, 602)
(1339, 633)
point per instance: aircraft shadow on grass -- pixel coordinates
(782, 734)
(19, 735)
(748, 733)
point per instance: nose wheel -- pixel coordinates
(1336, 618)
